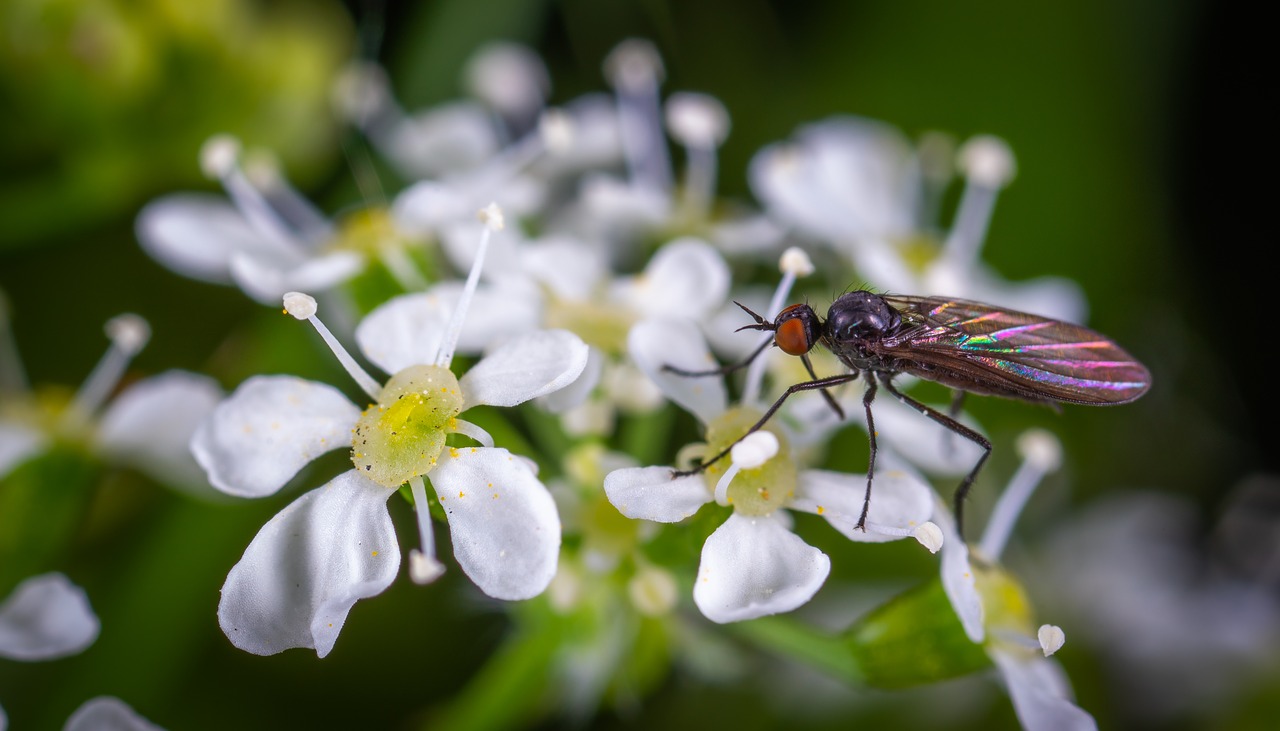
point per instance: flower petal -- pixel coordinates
(406, 330)
(957, 574)
(576, 393)
(307, 567)
(678, 343)
(503, 521)
(651, 493)
(685, 278)
(525, 367)
(841, 179)
(196, 234)
(266, 277)
(927, 444)
(107, 713)
(260, 436)
(899, 499)
(151, 423)
(17, 443)
(1040, 693)
(753, 566)
(46, 617)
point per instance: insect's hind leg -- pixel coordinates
(957, 428)
(796, 388)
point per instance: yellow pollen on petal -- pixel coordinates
(375, 553)
(453, 452)
(821, 510)
(461, 494)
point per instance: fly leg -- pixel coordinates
(831, 401)
(819, 384)
(723, 370)
(957, 428)
(867, 397)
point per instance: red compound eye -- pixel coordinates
(795, 331)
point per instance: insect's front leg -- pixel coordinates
(957, 428)
(797, 388)
(723, 370)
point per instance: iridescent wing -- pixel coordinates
(986, 349)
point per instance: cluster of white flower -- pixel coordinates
(591, 271)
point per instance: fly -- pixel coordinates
(968, 346)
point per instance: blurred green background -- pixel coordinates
(1132, 180)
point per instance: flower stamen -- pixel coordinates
(1041, 454)
(129, 334)
(220, 160)
(988, 165)
(424, 567)
(635, 71)
(303, 307)
(491, 217)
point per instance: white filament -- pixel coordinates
(424, 567)
(493, 220)
(303, 307)
(129, 334)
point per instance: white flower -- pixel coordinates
(106, 713)
(146, 426)
(559, 283)
(267, 239)
(861, 187)
(753, 565)
(47, 617)
(336, 544)
(1037, 686)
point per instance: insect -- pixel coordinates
(969, 346)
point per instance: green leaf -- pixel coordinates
(914, 639)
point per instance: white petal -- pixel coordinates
(899, 499)
(427, 206)
(1040, 693)
(957, 575)
(266, 278)
(576, 393)
(503, 521)
(651, 493)
(927, 444)
(678, 343)
(571, 268)
(685, 278)
(525, 367)
(307, 567)
(196, 235)
(106, 713)
(151, 423)
(752, 567)
(445, 138)
(841, 179)
(46, 617)
(260, 436)
(406, 330)
(18, 442)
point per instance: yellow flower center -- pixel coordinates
(757, 491)
(403, 434)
